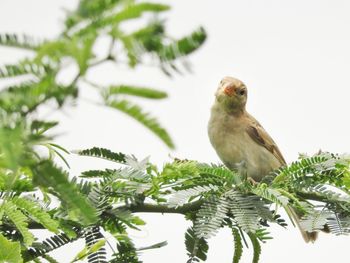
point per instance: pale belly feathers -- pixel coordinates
(237, 149)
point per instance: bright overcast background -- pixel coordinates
(294, 57)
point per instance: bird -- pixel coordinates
(240, 140)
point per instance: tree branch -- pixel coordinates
(186, 208)
(153, 208)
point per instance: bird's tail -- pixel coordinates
(307, 236)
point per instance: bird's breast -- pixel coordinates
(234, 145)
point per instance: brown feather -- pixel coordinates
(260, 136)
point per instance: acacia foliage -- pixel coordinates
(36, 80)
(101, 202)
(29, 178)
(212, 197)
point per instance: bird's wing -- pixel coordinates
(261, 137)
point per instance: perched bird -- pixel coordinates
(239, 139)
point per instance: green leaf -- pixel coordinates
(19, 220)
(81, 51)
(183, 46)
(89, 8)
(126, 250)
(271, 194)
(182, 197)
(46, 174)
(40, 249)
(10, 252)
(136, 91)
(136, 10)
(210, 216)
(86, 251)
(338, 224)
(27, 96)
(299, 168)
(98, 173)
(154, 246)
(131, 11)
(133, 53)
(151, 123)
(37, 213)
(263, 235)
(104, 154)
(41, 127)
(256, 247)
(238, 246)
(23, 68)
(55, 49)
(54, 150)
(231, 177)
(243, 209)
(12, 148)
(13, 40)
(150, 36)
(78, 48)
(196, 248)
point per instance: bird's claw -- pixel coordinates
(252, 181)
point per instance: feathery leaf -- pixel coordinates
(184, 46)
(197, 248)
(37, 213)
(136, 112)
(238, 251)
(244, 210)
(23, 41)
(210, 216)
(131, 11)
(48, 175)
(256, 247)
(103, 153)
(181, 197)
(10, 251)
(24, 68)
(19, 220)
(135, 91)
(40, 249)
(339, 225)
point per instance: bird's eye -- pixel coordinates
(241, 92)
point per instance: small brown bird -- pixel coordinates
(239, 139)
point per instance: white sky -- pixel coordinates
(294, 57)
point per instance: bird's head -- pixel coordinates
(232, 94)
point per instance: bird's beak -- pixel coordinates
(229, 91)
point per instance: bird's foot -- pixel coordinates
(252, 181)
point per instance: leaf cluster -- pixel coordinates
(37, 81)
(213, 197)
(100, 206)
(36, 193)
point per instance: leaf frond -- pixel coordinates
(103, 153)
(243, 209)
(197, 248)
(184, 46)
(19, 220)
(37, 213)
(48, 175)
(149, 122)
(181, 197)
(256, 247)
(238, 246)
(23, 41)
(40, 249)
(210, 216)
(135, 91)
